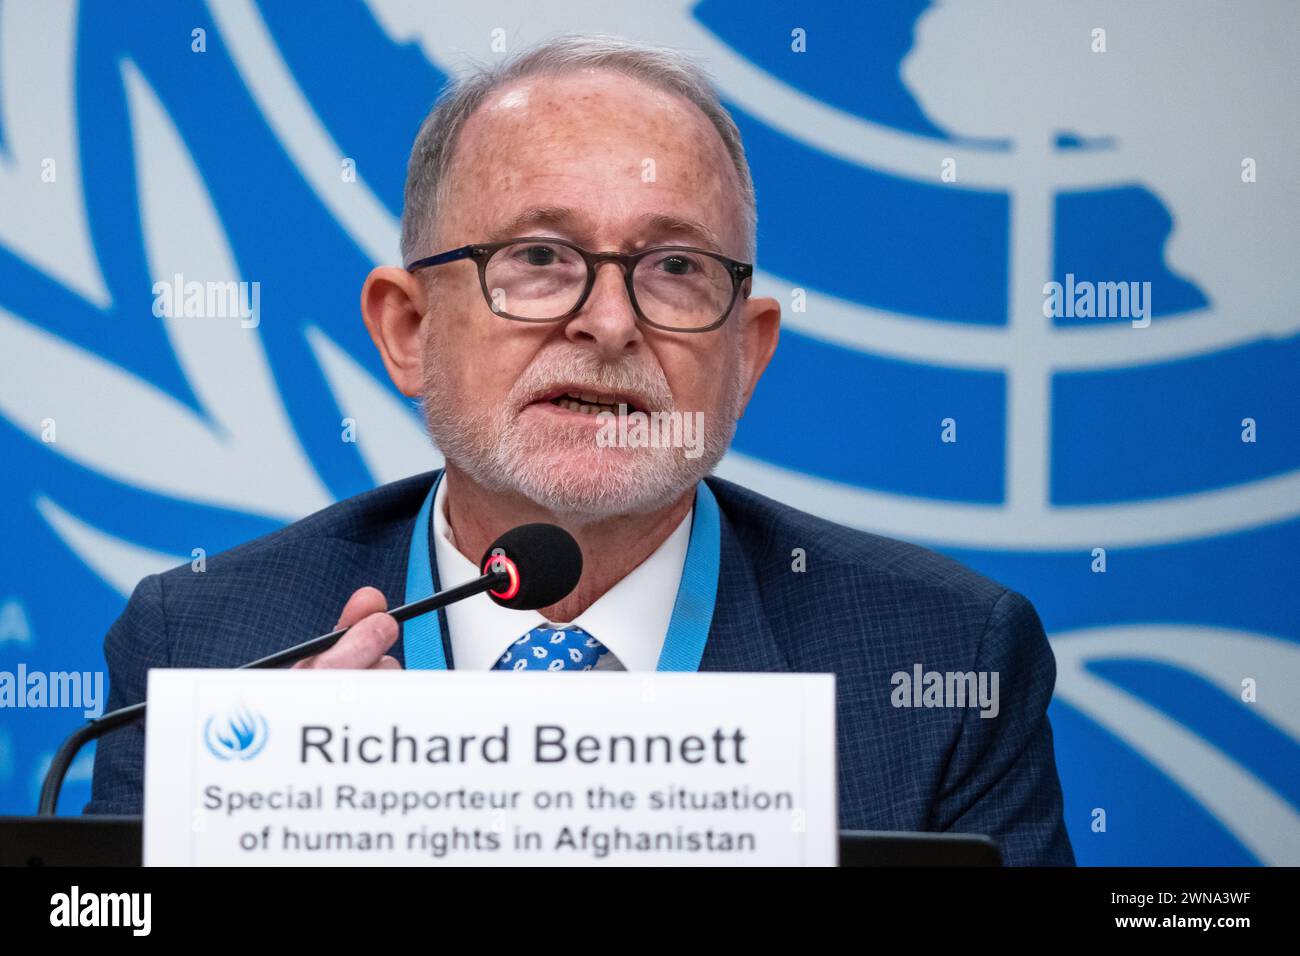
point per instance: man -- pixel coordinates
(524, 344)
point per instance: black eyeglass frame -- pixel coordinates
(481, 252)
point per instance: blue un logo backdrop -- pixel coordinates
(925, 172)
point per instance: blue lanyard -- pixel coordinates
(423, 640)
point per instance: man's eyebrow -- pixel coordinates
(546, 216)
(676, 225)
(564, 217)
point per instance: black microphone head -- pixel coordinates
(544, 564)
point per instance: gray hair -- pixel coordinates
(428, 170)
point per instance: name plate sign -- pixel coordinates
(246, 768)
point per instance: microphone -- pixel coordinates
(552, 559)
(529, 567)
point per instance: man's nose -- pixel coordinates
(607, 320)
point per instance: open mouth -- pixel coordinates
(590, 403)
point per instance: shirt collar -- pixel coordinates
(631, 618)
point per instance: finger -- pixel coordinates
(364, 601)
(361, 647)
(386, 663)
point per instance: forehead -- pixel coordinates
(598, 156)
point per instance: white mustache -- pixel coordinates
(580, 368)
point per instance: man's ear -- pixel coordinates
(760, 328)
(393, 305)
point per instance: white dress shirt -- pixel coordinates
(631, 618)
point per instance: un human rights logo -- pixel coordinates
(239, 734)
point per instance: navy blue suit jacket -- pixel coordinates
(865, 608)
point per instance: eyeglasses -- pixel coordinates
(543, 279)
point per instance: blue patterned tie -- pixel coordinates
(553, 649)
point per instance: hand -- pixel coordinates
(363, 647)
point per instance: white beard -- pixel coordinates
(562, 469)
